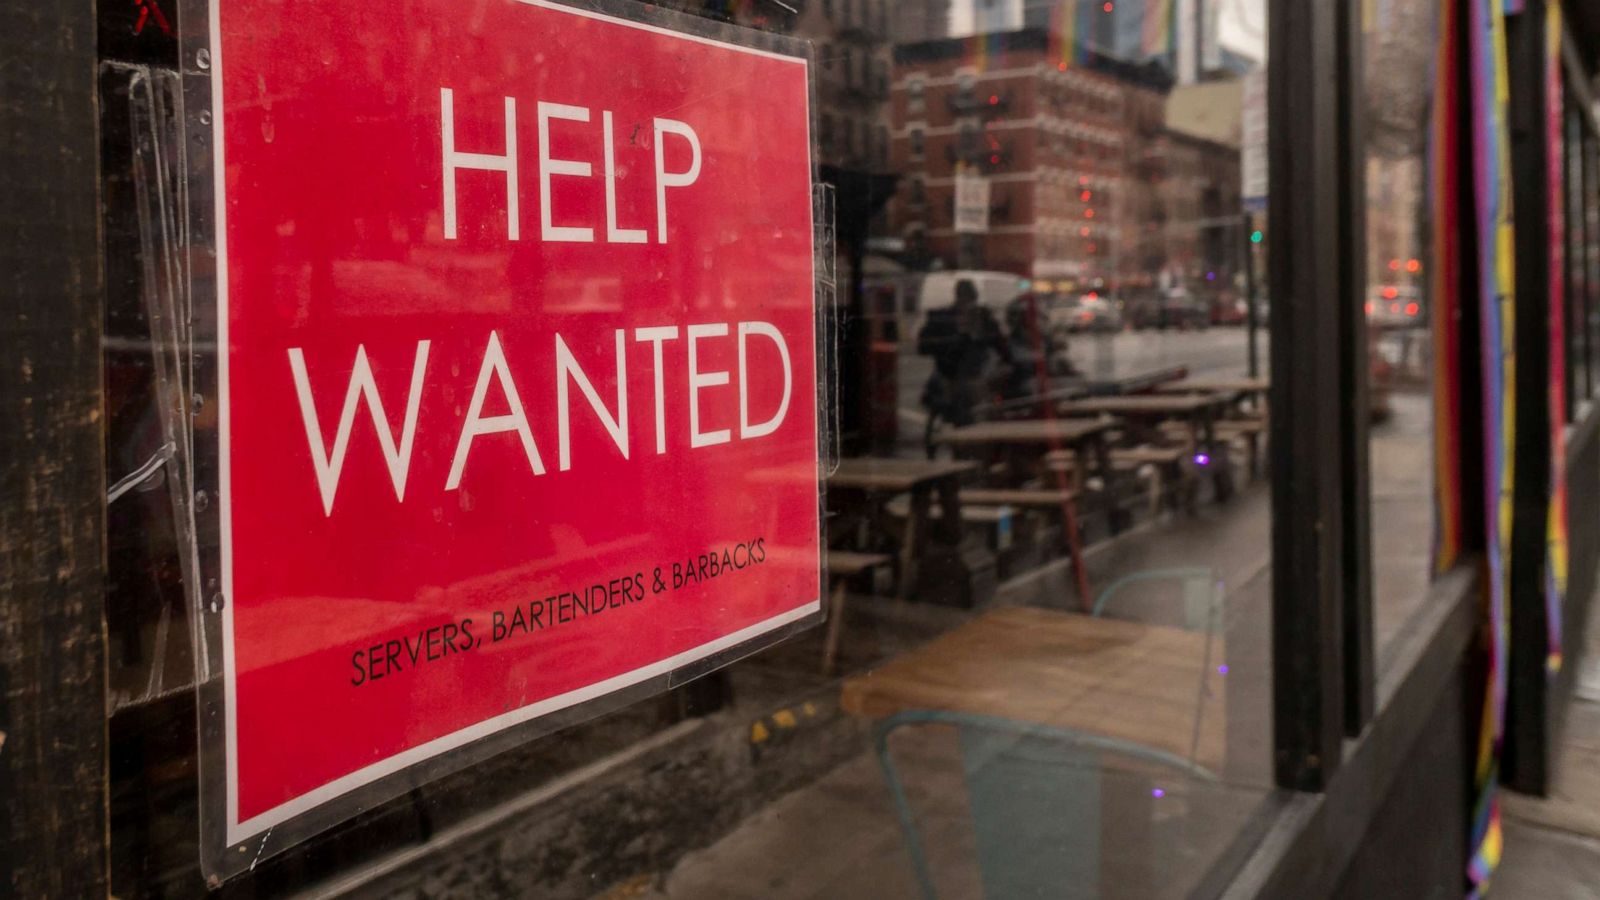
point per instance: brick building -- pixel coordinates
(1088, 185)
(912, 21)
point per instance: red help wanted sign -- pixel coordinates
(518, 373)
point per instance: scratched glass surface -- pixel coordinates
(537, 336)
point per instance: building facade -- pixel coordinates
(913, 21)
(1087, 184)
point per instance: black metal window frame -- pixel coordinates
(1332, 788)
(1343, 724)
(1536, 699)
(1321, 615)
(1327, 687)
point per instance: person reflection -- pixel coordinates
(966, 344)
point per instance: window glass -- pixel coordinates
(1045, 662)
(1400, 306)
(916, 102)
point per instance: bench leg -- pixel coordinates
(921, 505)
(830, 646)
(1190, 490)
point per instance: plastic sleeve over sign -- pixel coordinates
(520, 384)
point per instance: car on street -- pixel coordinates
(1086, 313)
(1392, 307)
(1176, 308)
(1229, 311)
(937, 290)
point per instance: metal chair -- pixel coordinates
(1202, 607)
(1033, 790)
(1202, 594)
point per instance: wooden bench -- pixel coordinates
(1177, 434)
(1231, 428)
(1250, 430)
(1162, 465)
(1033, 498)
(900, 508)
(848, 564)
(843, 565)
(993, 512)
(1165, 467)
(1154, 456)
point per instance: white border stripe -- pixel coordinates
(238, 831)
(219, 185)
(656, 29)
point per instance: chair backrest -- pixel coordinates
(1201, 593)
(1035, 796)
(1201, 611)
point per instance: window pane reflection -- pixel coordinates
(1046, 664)
(1400, 306)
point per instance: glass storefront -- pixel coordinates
(821, 448)
(1045, 657)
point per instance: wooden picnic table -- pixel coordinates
(1144, 405)
(895, 476)
(923, 479)
(1217, 386)
(1025, 441)
(1152, 685)
(1146, 411)
(1243, 390)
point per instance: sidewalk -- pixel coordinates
(1552, 844)
(839, 836)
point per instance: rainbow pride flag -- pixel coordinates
(1491, 152)
(1556, 527)
(1156, 35)
(983, 50)
(1068, 37)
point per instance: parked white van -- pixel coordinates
(937, 290)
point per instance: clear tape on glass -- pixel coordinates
(825, 215)
(151, 100)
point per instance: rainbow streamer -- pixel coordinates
(1156, 35)
(1444, 171)
(1067, 45)
(1556, 529)
(1497, 284)
(983, 50)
